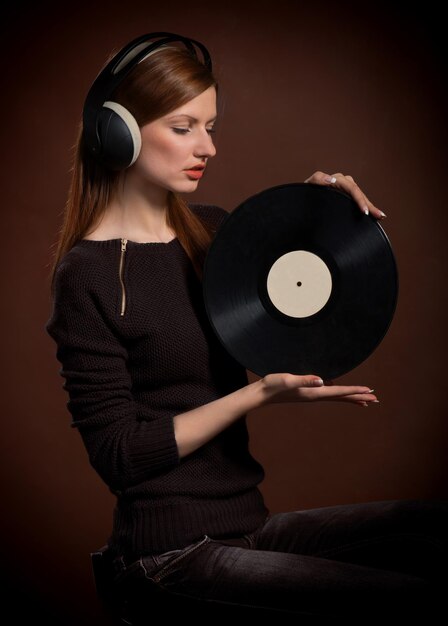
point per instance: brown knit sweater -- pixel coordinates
(136, 349)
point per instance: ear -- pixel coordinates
(119, 136)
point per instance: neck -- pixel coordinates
(138, 211)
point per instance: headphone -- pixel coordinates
(110, 131)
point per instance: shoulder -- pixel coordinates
(209, 212)
(82, 291)
(83, 267)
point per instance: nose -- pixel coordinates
(205, 147)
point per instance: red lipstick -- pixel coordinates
(196, 174)
(196, 171)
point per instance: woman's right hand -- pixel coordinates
(287, 387)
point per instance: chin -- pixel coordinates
(187, 187)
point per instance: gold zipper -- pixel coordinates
(120, 273)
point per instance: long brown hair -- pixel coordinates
(157, 85)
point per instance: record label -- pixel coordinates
(297, 279)
(299, 283)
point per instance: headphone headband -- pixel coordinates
(117, 69)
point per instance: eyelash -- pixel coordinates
(184, 131)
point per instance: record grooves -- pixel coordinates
(298, 280)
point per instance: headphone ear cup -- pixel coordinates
(120, 137)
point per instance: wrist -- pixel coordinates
(259, 393)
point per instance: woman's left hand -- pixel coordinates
(347, 184)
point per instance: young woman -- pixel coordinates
(159, 403)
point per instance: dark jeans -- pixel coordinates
(357, 562)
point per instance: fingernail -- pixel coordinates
(377, 401)
(383, 214)
(330, 179)
(318, 382)
(371, 390)
(366, 210)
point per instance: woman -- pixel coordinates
(159, 403)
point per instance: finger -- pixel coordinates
(322, 178)
(337, 391)
(359, 402)
(348, 184)
(359, 398)
(318, 178)
(344, 393)
(295, 380)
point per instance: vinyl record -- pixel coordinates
(299, 280)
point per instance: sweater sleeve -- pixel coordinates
(123, 450)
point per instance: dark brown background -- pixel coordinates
(330, 87)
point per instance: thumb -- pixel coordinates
(311, 381)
